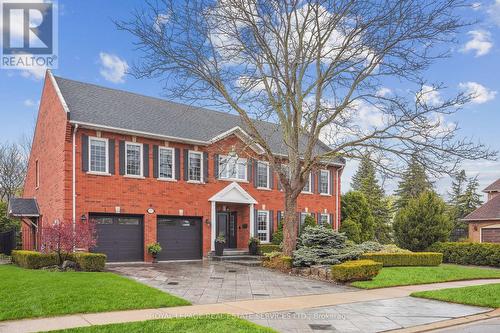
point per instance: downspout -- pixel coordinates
(73, 180)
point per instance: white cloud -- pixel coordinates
(480, 94)
(160, 21)
(384, 91)
(429, 96)
(29, 103)
(494, 12)
(476, 5)
(480, 43)
(113, 67)
(36, 73)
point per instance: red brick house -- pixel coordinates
(149, 170)
(484, 222)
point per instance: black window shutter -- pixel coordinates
(299, 221)
(271, 178)
(85, 152)
(278, 216)
(271, 224)
(177, 153)
(186, 166)
(111, 156)
(156, 158)
(332, 189)
(319, 181)
(255, 224)
(255, 164)
(145, 160)
(205, 167)
(313, 181)
(249, 170)
(318, 221)
(216, 166)
(121, 157)
(279, 184)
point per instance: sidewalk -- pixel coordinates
(248, 307)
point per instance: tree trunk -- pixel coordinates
(290, 226)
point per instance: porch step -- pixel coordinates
(234, 252)
(244, 257)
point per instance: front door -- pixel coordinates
(226, 226)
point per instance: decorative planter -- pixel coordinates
(219, 248)
(155, 258)
(253, 248)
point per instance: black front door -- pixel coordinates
(226, 226)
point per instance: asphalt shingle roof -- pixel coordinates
(495, 187)
(489, 211)
(102, 106)
(23, 207)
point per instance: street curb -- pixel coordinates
(449, 323)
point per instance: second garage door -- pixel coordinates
(490, 235)
(179, 237)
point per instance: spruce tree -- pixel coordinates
(357, 218)
(456, 206)
(365, 181)
(471, 199)
(413, 183)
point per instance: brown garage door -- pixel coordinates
(179, 237)
(120, 237)
(490, 235)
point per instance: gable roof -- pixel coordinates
(495, 187)
(21, 207)
(489, 211)
(112, 109)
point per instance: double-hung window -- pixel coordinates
(324, 219)
(133, 159)
(262, 174)
(263, 225)
(307, 185)
(303, 217)
(324, 182)
(166, 165)
(195, 166)
(232, 168)
(98, 155)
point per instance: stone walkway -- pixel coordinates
(360, 303)
(205, 282)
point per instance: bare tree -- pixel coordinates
(12, 170)
(316, 69)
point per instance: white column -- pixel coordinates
(252, 220)
(213, 225)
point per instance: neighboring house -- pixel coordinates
(149, 170)
(484, 222)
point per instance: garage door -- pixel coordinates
(120, 237)
(490, 235)
(179, 237)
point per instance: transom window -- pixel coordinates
(307, 185)
(98, 155)
(263, 225)
(166, 163)
(324, 219)
(133, 158)
(262, 174)
(195, 166)
(232, 167)
(324, 182)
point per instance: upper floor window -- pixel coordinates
(133, 159)
(263, 225)
(324, 219)
(263, 174)
(166, 163)
(324, 182)
(232, 167)
(195, 166)
(98, 155)
(307, 185)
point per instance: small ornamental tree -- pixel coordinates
(422, 222)
(60, 237)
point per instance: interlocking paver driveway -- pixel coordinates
(205, 282)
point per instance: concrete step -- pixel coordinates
(225, 257)
(233, 252)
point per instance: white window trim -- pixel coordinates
(329, 182)
(245, 180)
(141, 161)
(268, 187)
(268, 238)
(327, 218)
(201, 166)
(310, 185)
(173, 164)
(106, 141)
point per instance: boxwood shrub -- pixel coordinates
(355, 270)
(406, 259)
(90, 262)
(467, 253)
(267, 248)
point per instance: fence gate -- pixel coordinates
(7, 242)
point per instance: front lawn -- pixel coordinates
(26, 293)
(403, 276)
(205, 324)
(487, 295)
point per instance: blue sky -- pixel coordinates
(92, 50)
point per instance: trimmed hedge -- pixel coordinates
(90, 262)
(356, 270)
(466, 253)
(406, 259)
(276, 260)
(267, 248)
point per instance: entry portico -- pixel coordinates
(231, 194)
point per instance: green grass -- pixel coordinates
(403, 276)
(205, 324)
(487, 295)
(26, 293)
